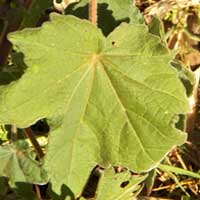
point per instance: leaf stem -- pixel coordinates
(193, 101)
(93, 11)
(13, 133)
(34, 142)
(39, 197)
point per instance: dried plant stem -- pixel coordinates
(191, 117)
(39, 197)
(93, 11)
(28, 132)
(13, 133)
(34, 142)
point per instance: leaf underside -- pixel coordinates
(109, 101)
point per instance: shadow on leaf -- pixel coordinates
(65, 192)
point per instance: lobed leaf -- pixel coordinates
(109, 101)
(19, 167)
(111, 185)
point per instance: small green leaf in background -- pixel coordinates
(3, 186)
(186, 76)
(24, 191)
(35, 12)
(109, 101)
(12, 72)
(17, 165)
(149, 183)
(156, 27)
(3, 134)
(111, 185)
(110, 13)
(178, 170)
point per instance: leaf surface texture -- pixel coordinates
(19, 167)
(109, 101)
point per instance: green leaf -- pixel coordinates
(156, 27)
(3, 134)
(3, 187)
(17, 165)
(178, 170)
(110, 13)
(9, 73)
(149, 183)
(186, 76)
(34, 12)
(21, 191)
(109, 101)
(111, 185)
(24, 191)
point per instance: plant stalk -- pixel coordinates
(193, 101)
(39, 197)
(93, 11)
(34, 142)
(13, 133)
